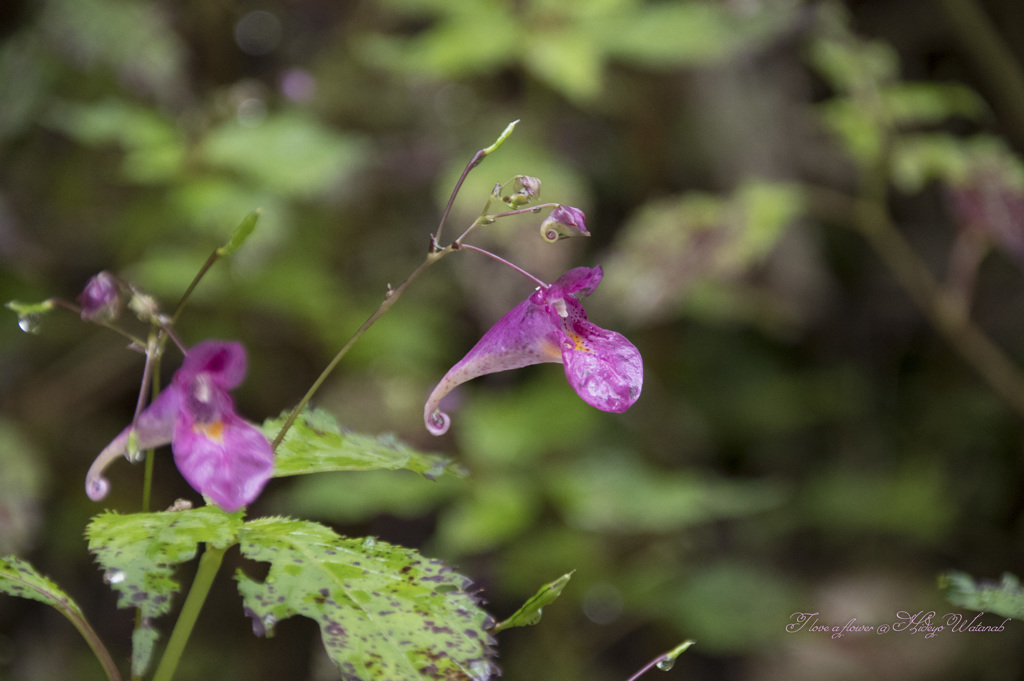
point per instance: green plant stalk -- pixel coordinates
(946, 315)
(996, 61)
(210, 262)
(664, 659)
(209, 564)
(90, 636)
(390, 299)
(435, 253)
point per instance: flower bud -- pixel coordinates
(562, 223)
(101, 300)
(524, 190)
(144, 306)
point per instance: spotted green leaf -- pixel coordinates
(317, 444)
(531, 611)
(1003, 598)
(385, 612)
(19, 578)
(138, 553)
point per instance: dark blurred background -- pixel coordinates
(806, 439)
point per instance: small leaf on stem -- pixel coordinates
(666, 661)
(501, 138)
(240, 234)
(30, 314)
(530, 613)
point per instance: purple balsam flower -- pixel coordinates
(219, 453)
(603, 367)
(101, 299)
(564, 222)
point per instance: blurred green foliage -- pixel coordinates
(804, 442)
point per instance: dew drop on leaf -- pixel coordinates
(114, 576)
(666, 665)
(29, 323)
(369, 543)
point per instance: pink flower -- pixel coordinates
(219, 453)
(564, 222)
(101, 299)
(603, 367)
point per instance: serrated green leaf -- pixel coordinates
(530, 613)
(385, 612)
(19, 578)
(1003, 598)
(139, 552)
(316, 444)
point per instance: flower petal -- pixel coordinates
(524, 336)
(602, 366)
(101, 299)
(154, 427)
(223, 361)
(579, 281)
(229, 461)
(564, 222)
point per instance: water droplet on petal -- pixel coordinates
(666, 665)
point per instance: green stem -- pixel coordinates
(90, 636)
(665, 660)
(996, 61)
(477, 159)
(147, 478)
(390, 299)
(518, 269)
(435, 253)
(209, 564)
(214, 257)
(946, 315)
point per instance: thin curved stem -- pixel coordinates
(390, 299)
(477, 159)
(435, 253)
(522, 211)
(665, 660)
(994, 57)
(518, 269)
(90, 636)
(947, 316)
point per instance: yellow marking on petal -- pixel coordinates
(212, 431)
(580, 344)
